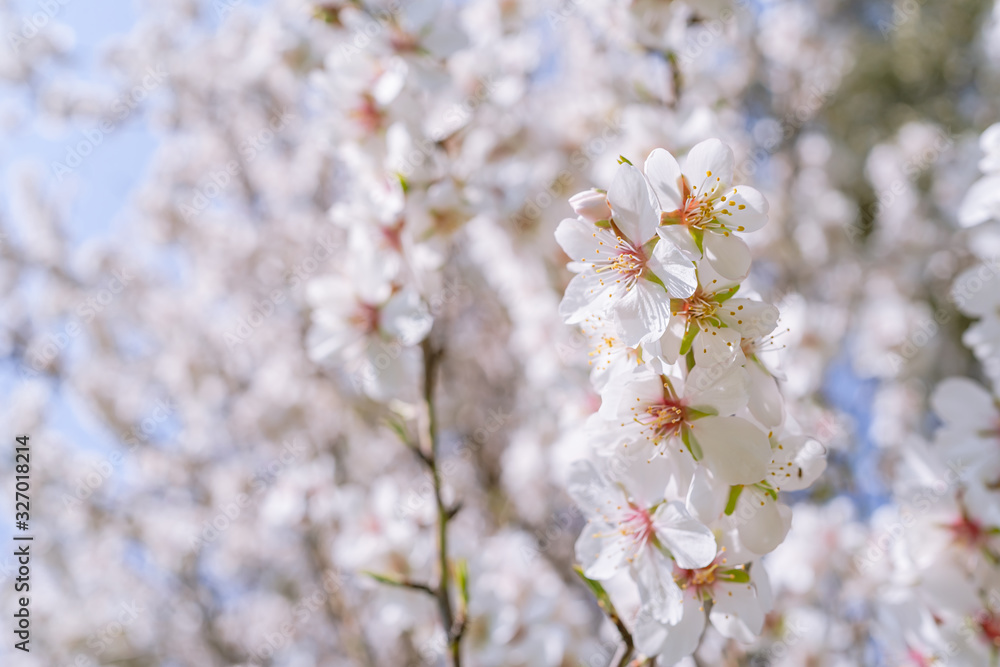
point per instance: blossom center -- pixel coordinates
(638, 524)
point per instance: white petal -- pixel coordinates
(643, 313)
(729, 255)
(681, 238)
(680, 640)
(664, 176)
(592, 493)
(796, 462)
(761, 524)
(406, 317)
(720, 388)
(981, 203)
(961, 401)
(659, 593)
(632, 206)
(578, 239)
(713, 346)
(736, 613)
(751, 217)
(601, 548)
(708, 165)
(689, 540)
(736, 451)
(752, 318)
(705, 498)
(976, 292)
(766, 404)
(586, 297)
(670, 343)
(674, 269)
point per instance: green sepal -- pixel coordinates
(689, 334)
(624, 160)
(735, 576)
(698, 413)
(698, 235)
(691, 443)
(734, 495)
(603, 224)
(603, 600)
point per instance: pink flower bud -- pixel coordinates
(591, 205)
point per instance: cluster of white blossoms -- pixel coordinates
(693, 444)
(938, 590)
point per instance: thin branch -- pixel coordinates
(429, 446)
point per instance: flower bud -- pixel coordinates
(591, 205)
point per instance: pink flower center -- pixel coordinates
(365, 318)
(637, 523)
(664, 419)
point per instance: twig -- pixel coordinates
(429, 447)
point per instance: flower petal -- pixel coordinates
(744, 210)
(728, 254)
(675, 270)
(709, 165)
(713, 346)
(752, 318)
(961, 401)
(664, 176)
(689, 540)
(643, 313)
(632, 205)
(736, 451)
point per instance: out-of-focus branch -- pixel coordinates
(454, 627)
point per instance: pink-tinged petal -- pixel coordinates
(744, 210)
(736, 613)
(680, 237)
(664, 176)
(713, 346)
(709, 165)
(591, 205)
(962, 402)
(766, 404)
(689, 540)
(722, 389)
(632, 205)
(736, 451)
(753, 319)
(675, 270)
(728, 255)
(643, 313)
